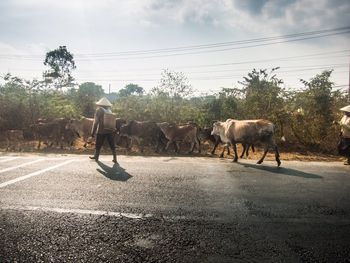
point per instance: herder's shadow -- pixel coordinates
(116, 172)
(282, 170)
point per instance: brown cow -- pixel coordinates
(248, 132)
(120, 139)
(14, 138)
(144, 132)
(82, 127)
(53, 130)
(47, 132)
(180, 133)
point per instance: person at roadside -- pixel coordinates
(104, 128)
(344, 145)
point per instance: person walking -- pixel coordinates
(104, 128)
(344, 145)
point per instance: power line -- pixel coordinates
(164, 52)
(299, 58)
(296, 68)
(210, 51)
(235, 70)
(220, 44)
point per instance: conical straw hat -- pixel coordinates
(346, 108)
(104, 102)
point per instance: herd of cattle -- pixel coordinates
(63, 132)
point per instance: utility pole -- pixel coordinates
(109, 88)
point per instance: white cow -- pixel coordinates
(249, 132)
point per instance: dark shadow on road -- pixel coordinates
(282, 170)
(115, 172)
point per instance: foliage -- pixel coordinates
(304, 116)
(313, 112)
(61, 64)
(85, 98)
(131, 89)
(172, 90)
(173, 85)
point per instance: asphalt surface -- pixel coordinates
(67, 208)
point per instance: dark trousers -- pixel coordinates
(344, 147)
(100, 138)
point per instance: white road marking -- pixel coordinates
(6, 159)
(309, 220)
(20, 165)
(34, 173)
(79, 211)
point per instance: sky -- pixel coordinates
(215, 43)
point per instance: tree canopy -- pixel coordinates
(61, 64)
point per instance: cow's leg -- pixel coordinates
(215, 145)
(235, 158)
(266, 149)
(277, 155)
(85, 138)
(249, 146)
(168, 144)
(192, 147)
(223, 151)
(198, 142)
(228, 149)
(244, 150)
(247, 150)
(130, 144)
(39, 143)
(159, 143)
(7, 145)
(177, 146)
(140, 142)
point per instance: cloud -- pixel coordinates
(264, 15)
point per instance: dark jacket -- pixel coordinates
(98, 123)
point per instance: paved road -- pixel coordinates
(66, 208)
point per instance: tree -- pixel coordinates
(170, 92)
(86, 96)
(173, 84)
(263, 95)
(131, 89)
(61, 63)
(319, 95)
(312, 111)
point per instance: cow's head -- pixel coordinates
(119, 122)
(73, 126)
(204, 133)
(125, 128)
(217, 128)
